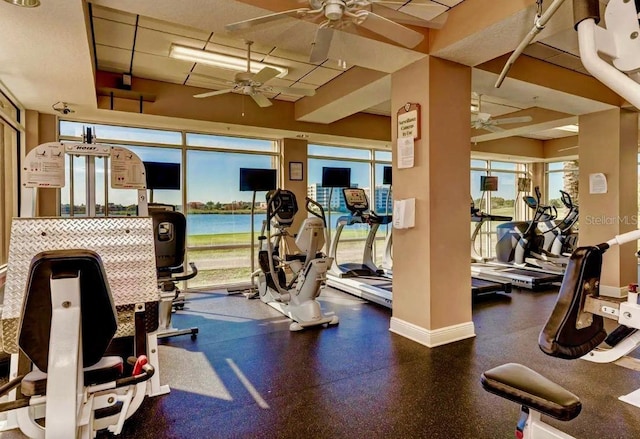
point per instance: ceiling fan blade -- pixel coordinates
(390, 29)
(492, 128)
(429, 14)
(321, 45)
(213, 93)
(260, 99)
(246, 24)
(507, 120)
(294, 91)
(264, 75)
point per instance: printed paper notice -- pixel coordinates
(405, 152)
(44, 166)
(404, 213)
(597, 183)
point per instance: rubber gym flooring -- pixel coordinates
(247, 376)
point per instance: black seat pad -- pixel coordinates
(526, 387)
(560, 337)
(99, 322)
(105, 370)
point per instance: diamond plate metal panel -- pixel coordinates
(125, 245)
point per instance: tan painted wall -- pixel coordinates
(41, 128)
(429, 290)
(560, 148)
(512, 148)
(609, 144)
(177, 101)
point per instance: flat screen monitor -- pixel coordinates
(259, 180)
(488, 184)
(336, 177)
(162, 175)
(386, 175)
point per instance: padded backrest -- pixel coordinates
(169, 234)
(567, 333)
(311, 234)
(99, 322)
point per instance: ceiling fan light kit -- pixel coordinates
(219, 60)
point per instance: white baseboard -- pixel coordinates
(430, 338)
(611, 291)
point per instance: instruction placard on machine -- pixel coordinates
(44, 166)
(127, 170)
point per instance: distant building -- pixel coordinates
(321, 194)
(384, 201)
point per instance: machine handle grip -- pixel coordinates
(271, 212)
(194, 272)
(633, 235)
(320, 215)
(142, 371)
(585, 9)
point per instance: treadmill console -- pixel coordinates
(284, 206)
(355, 199)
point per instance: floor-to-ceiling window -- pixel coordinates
(366, 166)
(562, 176)
(218, 214)
(10, 138)
(505, 199)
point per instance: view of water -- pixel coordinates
(207, 224)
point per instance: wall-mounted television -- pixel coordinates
(259, 180)
(488, 184)
(336, 177)
(386, 175)
(162, 175)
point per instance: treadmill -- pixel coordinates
(365, 279)
(482, 284)
(519, 276)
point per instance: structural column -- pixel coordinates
(294, 151)
(608, 144)
(431, 273)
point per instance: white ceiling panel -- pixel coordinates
(320, 75)
(113, 15)
(195, 81)
(158, 43)
(172, 28)
(208, 73)
(450, 3)
(112, 59)
(541, 51)
(145, 65)
(112, 33)
(238, 42)
(567, 61)
(239, 52)
(566, 41)
(297, 70)
(287, 98)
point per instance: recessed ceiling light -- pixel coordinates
(24, 3)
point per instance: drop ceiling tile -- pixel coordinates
(114, 34)
(287, 54)
(425, 10)
(566, 61)
(113, 14)
(159, 43)
(112, 59)
(296, 69)
(333, 64)
(194, 81)
(239, 43)
(450, 3)
(171, 28)
(277, 82)
(234, 51)
(541, 51)
(208, 73)
(160, 68)
(320, 76)
(566, 40)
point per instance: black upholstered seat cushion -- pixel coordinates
(105, 370)
(520, 384)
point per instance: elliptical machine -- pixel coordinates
(295, 298)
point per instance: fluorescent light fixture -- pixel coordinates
(571, 128)
(219, 60)
(24, 3)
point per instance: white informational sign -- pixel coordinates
(404, 213)
(597, 183)
(44, 166)
(127, 170)
(408, 124)
(405, 152)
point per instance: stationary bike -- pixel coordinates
(302, 257)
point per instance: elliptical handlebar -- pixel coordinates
(320, 215)
(271, 212)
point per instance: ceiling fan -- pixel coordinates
(379, 16)
(254, 84)
(484, 121)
